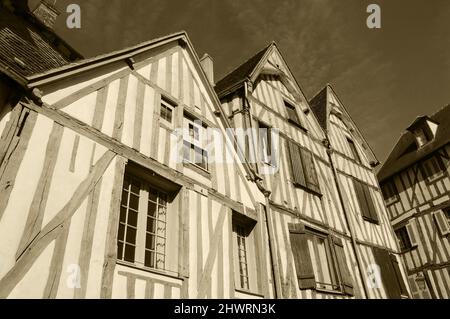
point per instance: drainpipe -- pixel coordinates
(347, 218)
(269, 224)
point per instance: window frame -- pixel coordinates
(390, 187)
(299, 171)
(265, 153)
(402, 233)
(248, 226)
(424, 169)
(368, 215)
(169, 105)
(193, 144)
(330, 261)
(148, 180)
(297, 120)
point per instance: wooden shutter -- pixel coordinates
(309, 169)
(442, 222)
(411, 228)
(302, 258)
(388, 275)
(370, 204)
(346, 278)
(361, 198)
(398, 274)
(296, 164)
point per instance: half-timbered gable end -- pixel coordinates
(416, 189)
(313, 239)
(106, 196)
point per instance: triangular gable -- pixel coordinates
(123, 104)
(336, 107)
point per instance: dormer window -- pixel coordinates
(424, 130)
(421, 137)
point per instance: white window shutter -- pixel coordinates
(442, 223)
(413, 234)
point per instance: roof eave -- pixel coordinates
(89, 64)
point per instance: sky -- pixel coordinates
(384, 77)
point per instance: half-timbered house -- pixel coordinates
(416, 188)
(330, 235)
(125, 176)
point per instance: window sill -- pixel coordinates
(407, 250)
(197, 169)
(298, 125)
(329, 291)
(372, 221)
(249, 292)
(165, 273)
(309, 190)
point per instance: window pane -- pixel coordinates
(152, 194)
(150, 242)
(131, 235)
(132, 218)
(134, 202)
(151, 209)
(149, 259)
(135, 187)
(129, 253)
(151, 224)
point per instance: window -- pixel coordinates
(195, 142)
(166, 111)
(441, 217)
(403, 238)
(433, 168)
(265, 142)
(244, 252)
(324, 270)
(242, 255)
(142, 233)
(365, 200)
(354, 150)
(390, 192)
(292, 114)
(303, 169)
(391, 276)
(422, 137)
(320, 260)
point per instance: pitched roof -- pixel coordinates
(405, 152)
(25, 46)
(319, 105)
(239, 74)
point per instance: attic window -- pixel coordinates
(421, 137)
(424, 130)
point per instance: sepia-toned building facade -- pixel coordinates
(416, 188)
(126, 176)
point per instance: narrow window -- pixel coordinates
(390, 192)
(265, 142)
(242, 255)
(166, 111)
(354, 150)
(194, 145)
(366, 202)
(292, 114)
(403, 238)
(323, 265)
